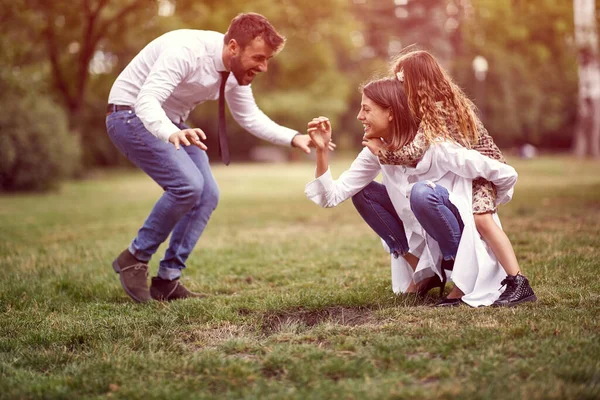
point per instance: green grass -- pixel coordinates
(299, 299)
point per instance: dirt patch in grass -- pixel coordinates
(211, 337)
(347, 316)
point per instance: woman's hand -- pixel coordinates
(375, 145)
(319, 130)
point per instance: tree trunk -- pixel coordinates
(93, 28)
(586, 141)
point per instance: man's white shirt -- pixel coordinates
(179, 70)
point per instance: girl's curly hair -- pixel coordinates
(438, 105)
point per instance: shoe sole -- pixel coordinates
(451, 305)
(515, 303)
(129, 293)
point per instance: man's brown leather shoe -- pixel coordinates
(166, 290)
(133, 275)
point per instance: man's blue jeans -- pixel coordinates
(190, 193)
(432, 207)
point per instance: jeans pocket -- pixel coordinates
(117, 129)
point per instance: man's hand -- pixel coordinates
(188, 137)
(374, 145)
(304, 143)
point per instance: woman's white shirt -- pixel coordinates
(476, 270)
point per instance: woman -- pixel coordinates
(442, 109)
(430, 203)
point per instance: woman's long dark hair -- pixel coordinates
(389, 93)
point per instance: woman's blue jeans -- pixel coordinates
(190, 193)
(374, 205)
(432, 207)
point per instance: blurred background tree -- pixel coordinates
(586, 140)
(67, 54)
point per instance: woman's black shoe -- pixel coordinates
(433, 282)
(446, 302)
(448, 264)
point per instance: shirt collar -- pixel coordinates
(218, 55)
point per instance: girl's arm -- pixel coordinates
(471, 164)
(485, 144)
(408, 155)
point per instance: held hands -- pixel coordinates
(188, 137)
(302, 142)
(319, 131)
(305, 142)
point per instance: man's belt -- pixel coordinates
(111, 108)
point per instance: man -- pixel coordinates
(148, 105)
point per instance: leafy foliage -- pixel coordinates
(73, 51)
(36, 148)
(531, 85)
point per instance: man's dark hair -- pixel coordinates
(246, 27)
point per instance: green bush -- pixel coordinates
(37, 150)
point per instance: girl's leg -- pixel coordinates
(498, 241)
(518, 289)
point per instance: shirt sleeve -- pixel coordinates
(327, 192)
(247, 114)
(171, 67)
(471, 164)
(485, 144)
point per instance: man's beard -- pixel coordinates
(241, 74)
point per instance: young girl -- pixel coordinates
(441, 108)
(414, 205)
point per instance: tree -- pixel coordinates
(80, 46)
(587, 132)
(531, 80)
(73, 51)
(71, 34)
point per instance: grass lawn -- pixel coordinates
(299, 299)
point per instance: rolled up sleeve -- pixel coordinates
(327, 192)
(169, 70)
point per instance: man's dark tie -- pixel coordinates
(223, 146)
